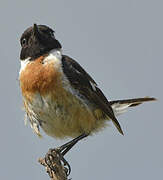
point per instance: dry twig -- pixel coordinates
(55, 165)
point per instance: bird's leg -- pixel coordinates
(61, 151)
(66, 147)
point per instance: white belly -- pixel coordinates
(63, 117)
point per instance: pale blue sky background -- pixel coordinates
(120, 43)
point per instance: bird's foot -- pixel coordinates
(54, 160)
(54, 155)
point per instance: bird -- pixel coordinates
(59, 96)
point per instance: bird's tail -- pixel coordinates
(121, 106)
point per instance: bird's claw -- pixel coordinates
(50, 160)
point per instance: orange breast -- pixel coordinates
(39, 77)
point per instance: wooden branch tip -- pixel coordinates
(55, 165)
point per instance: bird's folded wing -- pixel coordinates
(87, 87)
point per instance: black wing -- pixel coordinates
(87, 87)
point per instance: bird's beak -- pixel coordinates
(36, 32)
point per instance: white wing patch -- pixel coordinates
(93, 85)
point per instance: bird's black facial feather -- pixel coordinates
(37, 41)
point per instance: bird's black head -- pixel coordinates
(37, 41)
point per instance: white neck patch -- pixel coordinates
(24, 64)
(55, 54)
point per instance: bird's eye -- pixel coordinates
(24, 42)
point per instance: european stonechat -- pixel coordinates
(59, 95)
